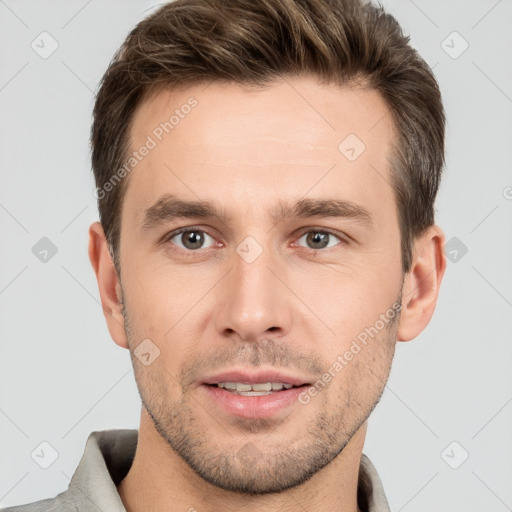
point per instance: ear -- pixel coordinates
(421, 283)
(108, 283)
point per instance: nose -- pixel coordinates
(254, 302)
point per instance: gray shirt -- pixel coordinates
(107, 459)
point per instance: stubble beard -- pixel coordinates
(252, 462)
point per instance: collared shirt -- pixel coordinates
(108, 457)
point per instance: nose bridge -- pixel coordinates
(253, 302)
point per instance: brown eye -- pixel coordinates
(191, 239)
(320, 239)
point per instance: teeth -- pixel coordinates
(264, 386)
(261, 389)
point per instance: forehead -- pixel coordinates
(312, 112)
(293, 138)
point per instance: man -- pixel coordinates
(266, 175)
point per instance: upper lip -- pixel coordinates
(256, 377)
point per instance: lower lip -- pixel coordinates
(253, 406)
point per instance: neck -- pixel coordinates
(160, 480)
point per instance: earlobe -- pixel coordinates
(108, 283)
(422, 283)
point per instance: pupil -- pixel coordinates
(192, 239)
(317, 237)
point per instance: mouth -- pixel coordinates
(261, 383)
(256, 389)
(260, 394)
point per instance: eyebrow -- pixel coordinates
(169, 207)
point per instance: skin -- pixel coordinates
(295, 307)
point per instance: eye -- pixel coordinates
(317, 239)
(190, 239)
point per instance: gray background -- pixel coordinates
(61, 375)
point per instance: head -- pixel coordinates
(301, 146)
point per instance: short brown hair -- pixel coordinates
(255, 42)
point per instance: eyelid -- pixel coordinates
(343, 239)
(172, 234)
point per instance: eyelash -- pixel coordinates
(167, 239)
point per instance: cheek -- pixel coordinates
(346, 300)
(158, 295)
(165, 305)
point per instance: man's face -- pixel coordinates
(297, 256)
